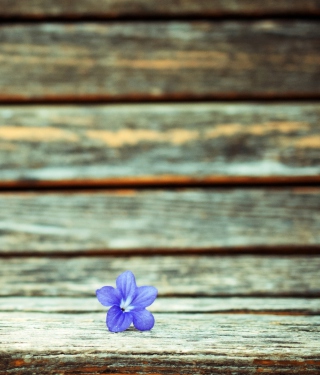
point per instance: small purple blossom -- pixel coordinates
(128, 303)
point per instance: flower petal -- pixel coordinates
(126, 283)
(108, 296)
(117, 320)
(145, 295)
(142, 319)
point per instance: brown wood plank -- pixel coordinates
(166, 221)
(283, 306)
(175, 60)
(178, 344)
(189, 276)
(159, 143)
(147, 8)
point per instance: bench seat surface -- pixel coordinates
(179, 140)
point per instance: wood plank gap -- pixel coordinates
(113, 9)
(156, 183)
(231, 312)
(97, 103)
(150, 252)
(290, 295)
(161, 17)
(98, 99)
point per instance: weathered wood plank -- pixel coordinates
(195, 142)
(290, 306)
(151, 221)
(176, 60)
(179, 343)
(188, 276)
(147, 8)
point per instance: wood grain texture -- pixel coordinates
(283, 306)
(178, 344)
(192, 142)
(189, 276)
(149, 221)
(147, 8)
(176, 60)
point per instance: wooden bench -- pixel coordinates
(176, 139)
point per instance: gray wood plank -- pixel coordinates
(179, 343)
(175, 60)
(146, 8)
(130, 221)
(183, 276)
(289, 306)
(159, 143)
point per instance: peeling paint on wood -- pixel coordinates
(35, 134)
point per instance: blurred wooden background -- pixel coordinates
(177, 139)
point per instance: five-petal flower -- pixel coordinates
(128, 304)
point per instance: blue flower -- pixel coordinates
(128, 304)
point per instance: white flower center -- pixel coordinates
(125, 305)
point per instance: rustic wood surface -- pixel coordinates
(158, 142)
(175, 60)
(265, 305)
(179, 343)
(184, 276)
(143, 8)
(237, 268)
(129, 220)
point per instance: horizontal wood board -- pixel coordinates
(183, 276)
(252, 305)
(130, 220)
(158, 142)
(194, 344)
(149, 8)
(145, 60)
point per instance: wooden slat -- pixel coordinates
(158, 143)
(177, 60)
(144, 8)
(189, 276)
(129, 220)
(178, 344)
(283, 306)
